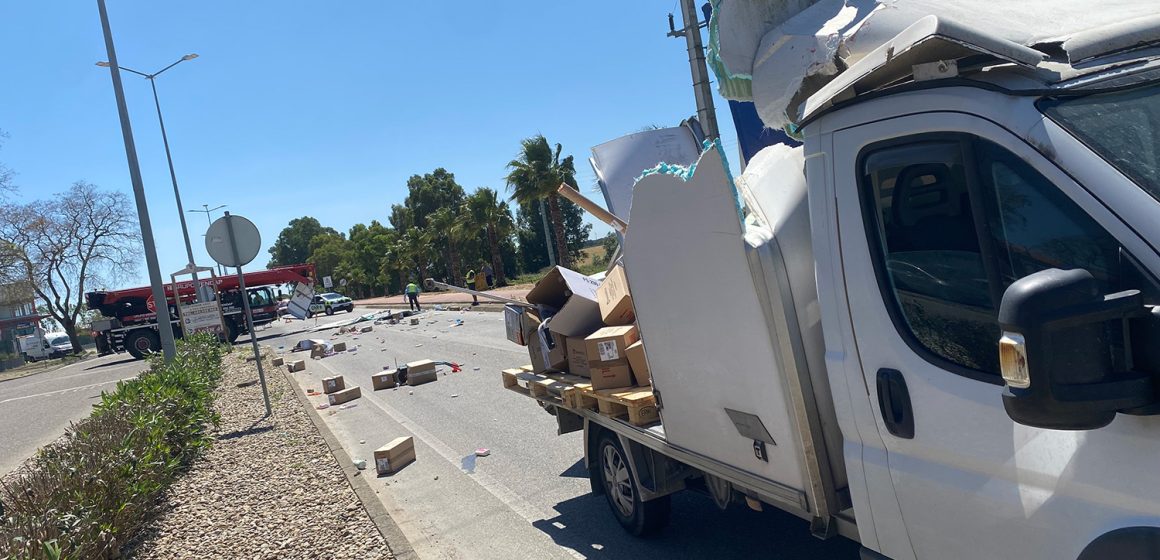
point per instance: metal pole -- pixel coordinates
(249, 317)
(173, 177)
(164, 326)
(701, 88)
(547, 233)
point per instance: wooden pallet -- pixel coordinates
(637, 403)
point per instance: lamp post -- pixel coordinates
(164, 326)
(207, 211)
(165, 140)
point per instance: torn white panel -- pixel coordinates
(801, 52)
(709, 345)
(619, 162)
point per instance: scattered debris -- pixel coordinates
(454, 395)
(475, 368)
(360, 464)
(362, 441)
(482, 452)
(322, 406)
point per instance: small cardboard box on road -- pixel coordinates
(614, 298)
(296, 365)
(606, 347)
(395, 455)
(345, 395)
(333, 384)
(339, 347)
(277, 361)
(366, 329)
(384, 380)
(420, 372)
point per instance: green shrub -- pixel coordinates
(91, 492)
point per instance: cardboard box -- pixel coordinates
(319, 350)
(548, 350)
(420, 366)
(614, 298)
(333, 384)
(296, 365)
(367, 329)
(513, 320)
(384, 380)
(345, 395)
(611, 377)
(421, 377)
(414, 320)
(277, 361)
(395, 455)
(606, 347)
(577, 356)
(639, 363)
(574, 295)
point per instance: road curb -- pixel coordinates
(397, 542)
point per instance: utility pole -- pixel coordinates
(161, 305)
(701, 87)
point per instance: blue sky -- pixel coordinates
(325, 108)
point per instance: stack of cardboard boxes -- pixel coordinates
(582, 326)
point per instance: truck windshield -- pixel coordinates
(1122, 127)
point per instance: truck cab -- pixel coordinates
(944, 214)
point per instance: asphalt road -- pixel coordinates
(35, 410)
(531, 497)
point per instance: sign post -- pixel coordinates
(206, 314)
(234, 241)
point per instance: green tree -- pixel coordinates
(610, 242)
(293, 243)
(327, 252)
(445, 228)
(535, 175)
(369, 246)
(530, 234)
(428, 193)
(485, 211)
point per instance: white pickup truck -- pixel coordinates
(933, 328)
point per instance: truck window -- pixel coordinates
(942, 268)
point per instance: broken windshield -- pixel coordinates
(1121, 127)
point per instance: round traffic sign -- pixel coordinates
(245, 237)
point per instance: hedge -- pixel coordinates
(91, 492)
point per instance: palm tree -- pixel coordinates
(445, 225)
(487, 212)
(535, 174)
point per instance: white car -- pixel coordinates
(59, 344)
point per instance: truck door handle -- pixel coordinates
(894, 402)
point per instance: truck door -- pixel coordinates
(933, 227)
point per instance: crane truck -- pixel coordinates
(933, 327)
(129, 318)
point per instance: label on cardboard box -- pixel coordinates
(611, 377)
(606, 349)
(383, 465)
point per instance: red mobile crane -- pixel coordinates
(130, 318)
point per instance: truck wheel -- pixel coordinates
(141, 342)
(232, 332)
(637, 517)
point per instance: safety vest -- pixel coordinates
(412, 288)
(471, 278)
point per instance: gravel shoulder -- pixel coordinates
(268, 488)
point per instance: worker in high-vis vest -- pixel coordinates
(471, 285)
(413, 296)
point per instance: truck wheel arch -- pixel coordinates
(1125, 543)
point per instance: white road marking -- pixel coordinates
(59, 391)
(513, 501)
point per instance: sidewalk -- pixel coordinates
(512, 292)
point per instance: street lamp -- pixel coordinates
(165, 140)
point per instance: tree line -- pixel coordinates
(440, 231)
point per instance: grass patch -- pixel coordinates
(88, 494)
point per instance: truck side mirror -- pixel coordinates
(1058, 351)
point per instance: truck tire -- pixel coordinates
(620, 488)
(233, 331)
(141, 342)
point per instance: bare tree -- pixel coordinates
(81, 238)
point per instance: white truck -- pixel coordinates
(933, 328)
(43, 346)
